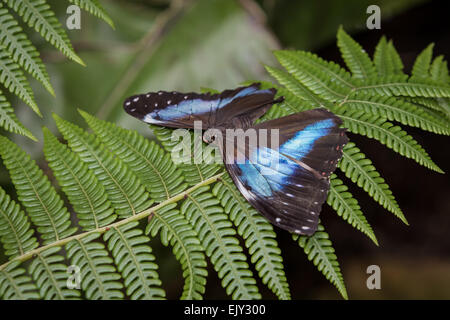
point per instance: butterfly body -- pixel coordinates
(283, 169)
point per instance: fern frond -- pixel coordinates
(260, 239)
(385, 132)
(319, 250)
(430, 103)
(396, 86)
(348, 208)
(50, 275)
(305, 99)
(382, 59)
(125, 191)
(395, 109)
(422, 63)
(95, 8)
(9, 121)
(318, 81)
(193, 171)
(178, 232)
(355, 57)
(23, 52)
(395, 58)
(99, 279)
(41, 201)
(16, 235)
(337, 74)
(84, 191)
(38, 15)
(362, 172)
(135, 261)
(218, 238)
(15, 284)
(13, 79)
(154, 167)
(439, 70)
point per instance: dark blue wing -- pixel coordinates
(180, 110)
(288, 185)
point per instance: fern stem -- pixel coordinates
(137, 217)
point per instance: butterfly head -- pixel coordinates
(213, 136)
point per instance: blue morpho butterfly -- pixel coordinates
(290, 195)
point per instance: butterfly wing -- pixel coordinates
(288, 185)
(180, 110)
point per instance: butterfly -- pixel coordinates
(287, 181)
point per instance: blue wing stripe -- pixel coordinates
(200, 106)
(303, 141)
(268, 170)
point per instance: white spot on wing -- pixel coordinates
(278, 220)
(148, 118)
(305, 228)
(297, 231)
(136, 99)
(127, 103)
(169, 101)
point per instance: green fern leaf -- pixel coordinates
(125, 191)
(50, 275)
(382, 59)
(319, 250)
(135, 261)
(218, 238)
(99, 279)
(23, 52)
(9, 121)
(395, 109)
(15, 232)
(94, 7)
(338, 75)
(305, 99)
(361, 171)
(422, 64)
(439, 70)
(396, 86)
(13, 79)
(385, 132)
(348, 208)
(395, 58)
(356, 58)
(315, 79)
(85, 193)
(38, 15)
(155, 169)
(41, 201)
(178, 232)
(15, 284)
(260, 239)
(194, 170)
